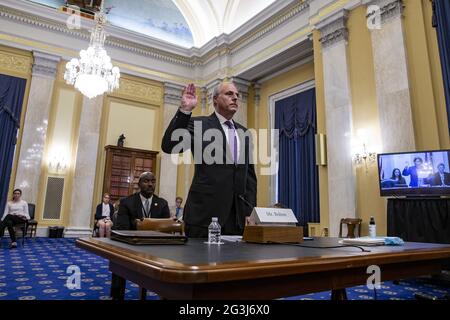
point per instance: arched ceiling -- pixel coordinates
(210, 18)
(186, 23)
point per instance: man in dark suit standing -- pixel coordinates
(224, 182)
(441, 178)
(143, 204)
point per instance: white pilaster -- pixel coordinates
(35, 126)
(257, 102)
(338, 106)
(391, 78)
(84, 177)
(242, 86)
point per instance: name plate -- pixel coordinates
(273, 216)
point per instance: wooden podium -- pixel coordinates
(272, 225)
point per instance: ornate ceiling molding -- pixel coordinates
(15, 63)
(40, 22)
(222, 45)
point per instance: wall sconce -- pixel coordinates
(57, 165)
(364, 158)
(362, 155)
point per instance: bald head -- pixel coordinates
(147, 182)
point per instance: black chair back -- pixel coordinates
(31, 209)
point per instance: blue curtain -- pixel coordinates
(298, 182)
(12, 90)
(441, 21)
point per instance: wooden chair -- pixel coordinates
(352, 226)
(169, 225)
(95, 229)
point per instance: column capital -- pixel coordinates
(388, 9)
(204, 100)
(334, 29)
(45, 65)
(172, 93)
(257, 96)
(242, 86)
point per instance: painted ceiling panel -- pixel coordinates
(160, 19)
(186, 23)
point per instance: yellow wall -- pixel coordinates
(436, 76)
(365, 115)
(287, 80)
(136, 121)
(420, 78)
(61, 144)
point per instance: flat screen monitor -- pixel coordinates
(421, 173)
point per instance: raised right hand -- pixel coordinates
(189, 98)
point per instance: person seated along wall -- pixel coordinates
(103, 215)
(176, 211)
(142, 204)
(16, 212)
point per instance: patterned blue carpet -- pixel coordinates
(38, 271)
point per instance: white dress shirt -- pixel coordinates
(106, 212)
(225, 128)
(19, 208)
(143, 199)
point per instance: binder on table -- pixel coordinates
(144, 237)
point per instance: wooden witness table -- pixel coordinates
(258, 271)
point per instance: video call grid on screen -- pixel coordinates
(400, 175)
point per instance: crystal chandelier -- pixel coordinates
(93, 74)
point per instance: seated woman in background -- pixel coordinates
(397, 177)
(16, 212)
(103, 215)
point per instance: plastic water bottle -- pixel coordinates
(214, 231)
(372, 228)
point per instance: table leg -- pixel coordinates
(338, 294)
(117, 287)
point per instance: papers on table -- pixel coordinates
(231, 238)
(363, 241)
(378, 241)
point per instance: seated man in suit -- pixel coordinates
(440, 178)
(143, 204)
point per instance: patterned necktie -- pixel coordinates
(232, 139)
(147, 208)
